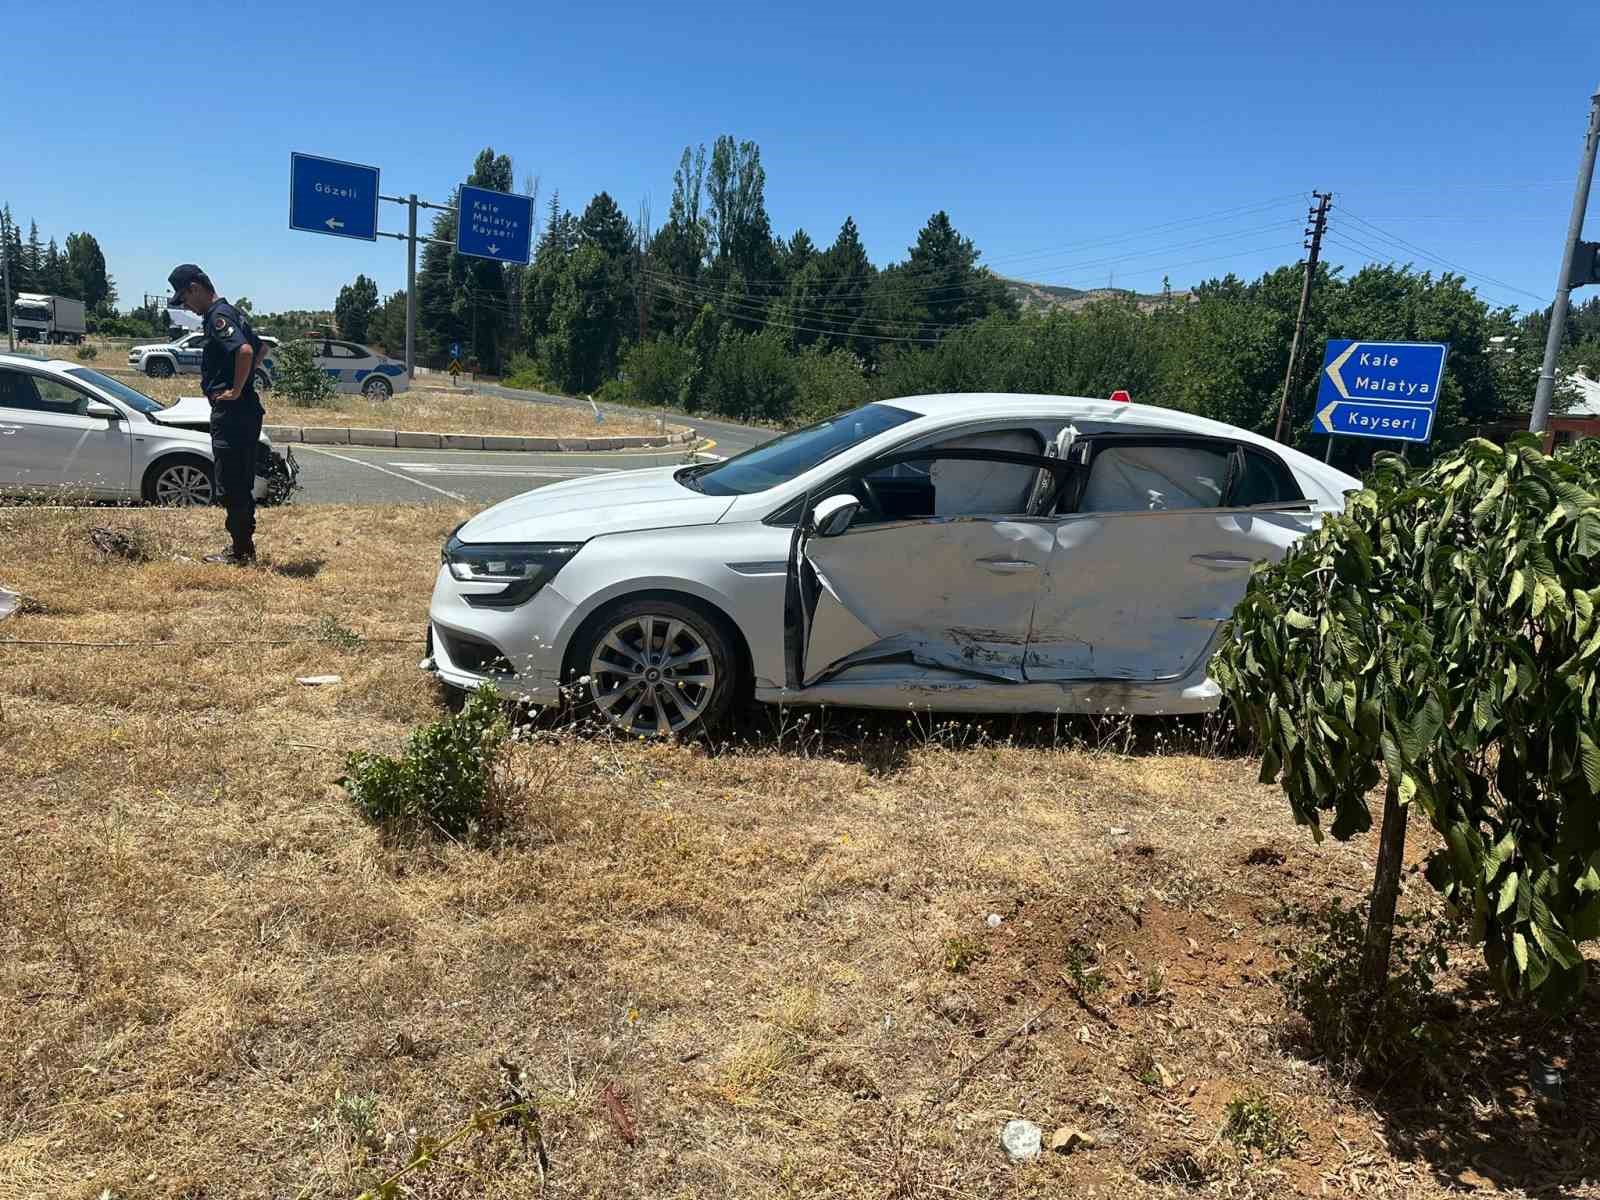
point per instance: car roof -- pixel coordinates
(56, 366)
(956, 406)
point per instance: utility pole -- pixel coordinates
(411, 239)
(411, 286)
(1318, 217)
(5, 280)
(1565, 281)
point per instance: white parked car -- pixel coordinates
(354, 369)
(67, 430)
(181, 356)
(970, 553)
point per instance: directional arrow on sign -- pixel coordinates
(1325, 417)
(1334, 377)
(334, 223)
(493, 249)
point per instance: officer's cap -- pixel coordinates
(182, 276)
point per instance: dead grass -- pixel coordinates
(722, 970)
(424, 408)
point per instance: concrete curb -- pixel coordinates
(345, 435)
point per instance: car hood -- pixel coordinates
(155, 346)
(578, 509)
(187, 412)
(191, 414)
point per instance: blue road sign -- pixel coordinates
(455, 349)
(333, 197)
(1380, 389)
(495, 225)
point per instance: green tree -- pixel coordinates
(388, 327)
(1440, 639)
(32, 262)
(297, 379)
(53, 273)
(354, 309)
(740, 230)
(846, 275)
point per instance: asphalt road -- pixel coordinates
(362, 475)
(731, 438)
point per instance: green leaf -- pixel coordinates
(1519, 580)
(1591, 761)
(1299, 620)
(1519, 951)
(1508, 894)
(1497, 857)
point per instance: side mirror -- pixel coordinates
(99, 408)
(832, 516)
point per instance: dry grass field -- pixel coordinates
(425, 408)
(758, 969)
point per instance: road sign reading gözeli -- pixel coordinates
(333, 197)
(494, 225)
(1380, 389)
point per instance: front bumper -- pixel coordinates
(514, 649)
(277, 475)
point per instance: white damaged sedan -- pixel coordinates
(962, 553)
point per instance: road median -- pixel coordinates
(349, 435)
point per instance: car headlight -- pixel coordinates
(523, 567)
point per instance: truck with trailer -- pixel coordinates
(52, 319)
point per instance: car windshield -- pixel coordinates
(134, 400)
(781, 459)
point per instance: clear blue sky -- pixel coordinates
(1050, 132)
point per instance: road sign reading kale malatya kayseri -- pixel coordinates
(495, 225)
(1380, 389)
(333, 197)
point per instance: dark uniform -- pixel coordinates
(236, 424)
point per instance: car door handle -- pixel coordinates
(1007, 566)
(1221, 562)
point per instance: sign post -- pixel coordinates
(336, 198)
(340, 199)
(494, 225)
(1380, 389)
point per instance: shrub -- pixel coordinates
(1441, 637)
(827, 382)
(524, 372)
(87, 352)
(1256, 1122)
(656, 371)
(297, 379)
(444, 780)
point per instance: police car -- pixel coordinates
(181, 356)
(354, 369)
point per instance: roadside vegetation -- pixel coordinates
(426, 407)
(834, 954)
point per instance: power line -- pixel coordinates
(1386, 254)
(1395, 239)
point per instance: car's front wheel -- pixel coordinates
(377, 388)
(657, 668)
(179, 483)
(158, 368)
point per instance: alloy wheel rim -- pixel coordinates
(183, 487)
(652, 675)
(378, 391)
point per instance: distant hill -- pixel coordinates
(1045, 296)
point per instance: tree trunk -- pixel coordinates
(1385, 891)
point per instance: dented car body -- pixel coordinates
(971, 553)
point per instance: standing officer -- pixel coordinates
(227, 376)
